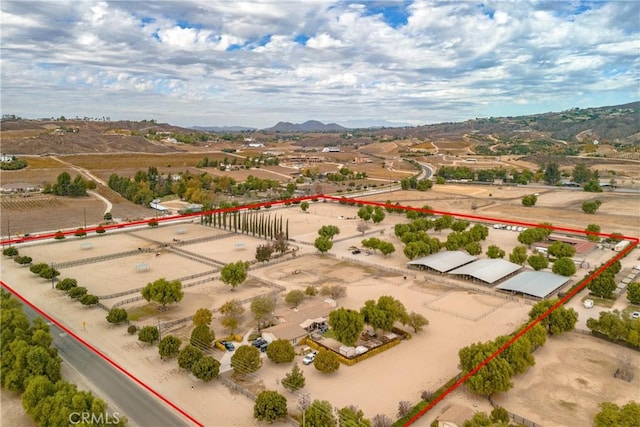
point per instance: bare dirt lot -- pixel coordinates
(572, 375)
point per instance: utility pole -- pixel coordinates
(53, 277)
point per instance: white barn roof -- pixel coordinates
(443, 261)
(536, 283)
(488, 270)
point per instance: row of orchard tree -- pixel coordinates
(30, 366)
(257, 224)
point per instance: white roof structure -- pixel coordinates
(443, 261)
(488, 270)
(535, 283)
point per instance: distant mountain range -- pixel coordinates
(222, 129)
(308, 126)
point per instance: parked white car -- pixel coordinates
(588, 303)
(309, 358)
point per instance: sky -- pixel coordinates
(356, 63)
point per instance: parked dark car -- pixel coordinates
(260, 344)
(356, 252)
(228, 345)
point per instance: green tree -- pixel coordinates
(188, 356)
(264, 252)
(590, 207)
(77, 292)
(500, 415)
(612, 415)
(518, 255)
(89, 299)
(603, 285)
(417, 321)
(10, 251)
(202, 336)
(323, 244)
(328, 231)
(633, 293)
(281, 351)
(169, 347)
(23, 259)
(294, 297)
(552, 174)
(459, 225)
(246, 360)
(561, 250)
(163, 291)
(294, 380)
(538, 262)
(593, 228)
(234, 273)
(494, 252)
(206, 368)
(326, 361)
(495, 376)
(319, 414)
(347, 325)
(270, 406)
(378, 215)
(262, 308)
(148, 334)
(529, 200)
(384, 313)
(473, 248)
(311, 291)
(364, 213)
(352, 416)
(66, 284)
(593, 186)
(560, 320)
(564, 267)
(203, 316)
(304, 206)
(581, 173)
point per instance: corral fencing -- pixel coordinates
(181, 279)
(515, 417)
(236, 387)
(188, 285)
(102, 258)
(193, 256)
(202, 239)
(377, 266)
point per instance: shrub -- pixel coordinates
(10, 251)
(132, 329)
(281, 351)
(326, 361)
(148, 334)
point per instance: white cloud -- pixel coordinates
(258, 62)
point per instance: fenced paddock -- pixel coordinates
(69, 250)
(117, 275)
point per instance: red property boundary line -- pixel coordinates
(634, 241)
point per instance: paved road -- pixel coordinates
(137, 404)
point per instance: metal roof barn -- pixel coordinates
(539, 284)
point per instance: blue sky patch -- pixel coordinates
(302, 39)
(394, 14)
